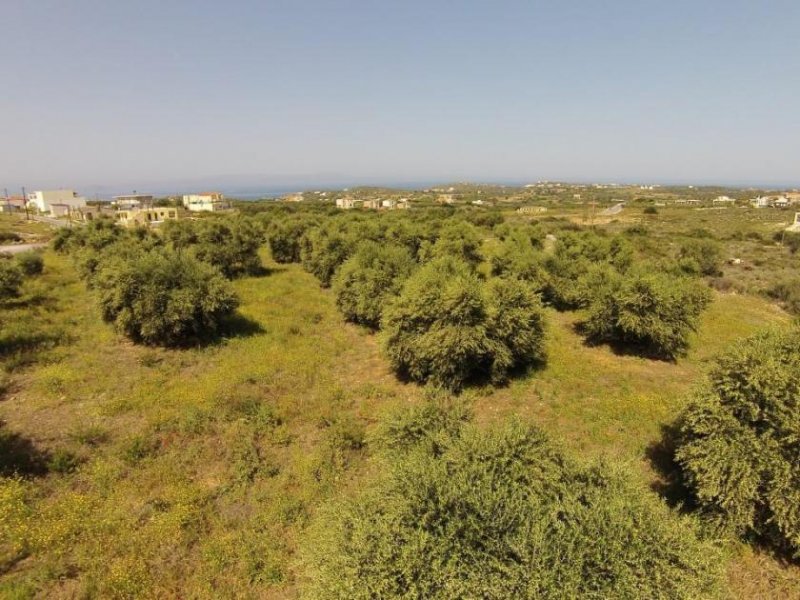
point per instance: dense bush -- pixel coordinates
(9, 236)
(96, 235)
(792, 241)
(788, 294)
(571, 264)
(368, 279)
(457, 239)
(518, 256)
(10, 279)
(502, 514)
(163, 297)
(325, 248)
(654, 312)
(231, 245)
(701, 257)
(285, 238)
(485, 218)
(449, 327)
(739, 440)
(180, 233)
(30, 263)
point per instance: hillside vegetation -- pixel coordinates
(263, 405)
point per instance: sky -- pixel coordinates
(171, 93)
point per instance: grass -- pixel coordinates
(196, 469)
(192, 473)
(27, 230)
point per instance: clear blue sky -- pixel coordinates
(118, 93)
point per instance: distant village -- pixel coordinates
(130, 210)
(137, 209)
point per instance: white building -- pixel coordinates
(760, 202)
(42, 200)
(345, 203)
(206, 202)
(131, 201)
(781, 202)
(724, 200)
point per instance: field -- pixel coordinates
(193, 473)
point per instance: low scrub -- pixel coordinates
(788, 294)
(502, 514)
(10, 279)
(701, 256)
(30, 263)
(739, 444)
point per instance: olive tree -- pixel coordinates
(501, 514)
(325, 248)
(653, 312)
(739, 440)
(231, 245)
(449, 327)
(161, 297)
(368, 279)
(285, 236)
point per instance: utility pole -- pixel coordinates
(8, 202)
(25, 203)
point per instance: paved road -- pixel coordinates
(15, 248)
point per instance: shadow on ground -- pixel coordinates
(20, 456)
(670, 484)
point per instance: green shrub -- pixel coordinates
(575, 256)
(788, 294)
(429, 425)
(701, 257)
(62, 461)
(162, 297)
(180, 233)
(30, 263)
(97, 234)
(231, 245)
(517, 256)
(10, 279)
(792, 241)
(324, 249)
(9, 236)
(650, 210)
(450, 328)
(368, 279)
(654, 312)
(285, 238)
(739, 440)
(457, 239)
(485, 218)
(502, 514)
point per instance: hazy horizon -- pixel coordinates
(159, 95)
